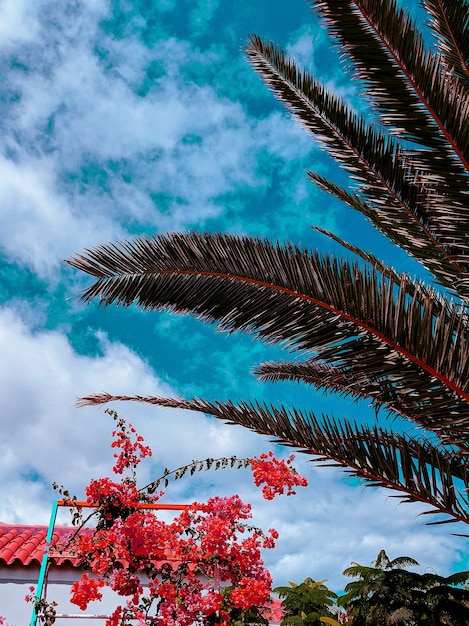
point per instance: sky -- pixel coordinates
(128, 117)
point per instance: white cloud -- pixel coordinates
(45, 438)
(202, 14)
(39, 225)
(18, 21)
(284, 138)
(164, 161)
(303, 47)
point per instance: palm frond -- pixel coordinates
(415, 97)
(396, 195)
(425, 402)
(410, 83)
(450, 23)
(366, 256)
(450, 273)
(458, 578)
(402, 562)
(288, 296)
(419, 471)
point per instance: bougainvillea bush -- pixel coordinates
(204, 566)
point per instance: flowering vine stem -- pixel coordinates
(196, 465)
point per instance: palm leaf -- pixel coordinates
(418, 470)
(397, 197)
(450, 23)
(288, 296)
(366, 256)
(458, 578)
(410, 82)
(386, 391)
(402, 562)
(415, 97)
(450, 273)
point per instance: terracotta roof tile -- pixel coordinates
(21, 544)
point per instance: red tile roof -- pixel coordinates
(21, 544)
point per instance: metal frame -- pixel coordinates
(42, 579)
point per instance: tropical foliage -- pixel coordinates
(358, 328)
(387, 593)
(381, 594)
(307, 603)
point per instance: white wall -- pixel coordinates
(14, 587)
(15, 582)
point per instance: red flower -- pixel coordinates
(85, 590)
(278, 475)
(250, 592)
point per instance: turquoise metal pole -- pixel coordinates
(45, 557)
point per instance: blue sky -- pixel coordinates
(130, 117)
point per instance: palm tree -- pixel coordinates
(368, 332)
(381, 593)
(387, 593)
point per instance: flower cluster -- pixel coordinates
(248, 592)
(187, 562)
(203, 566)
(85, 590)
(130, 444)
(278, 475)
